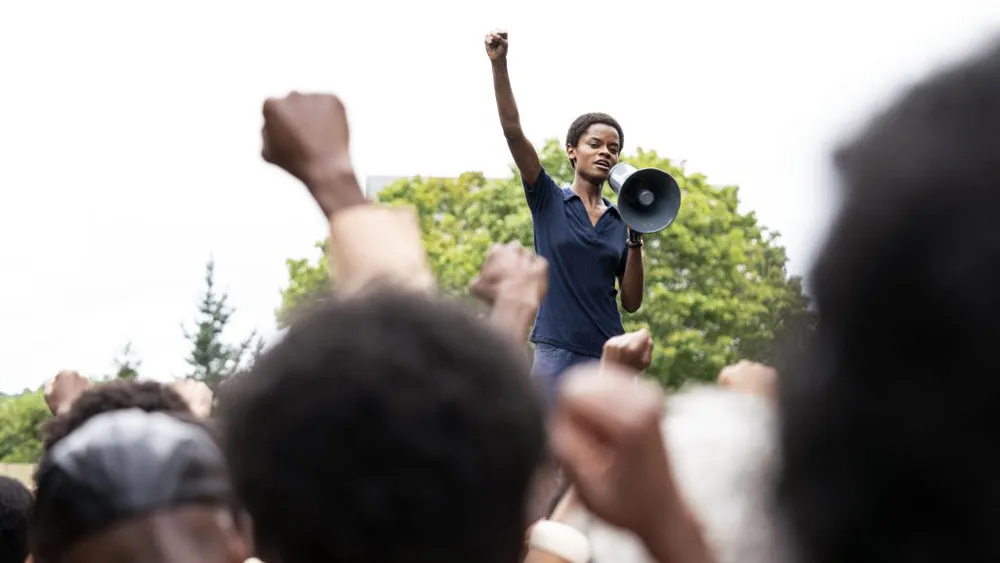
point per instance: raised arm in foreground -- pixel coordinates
(307, 135)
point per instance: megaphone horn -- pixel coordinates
(648, 199)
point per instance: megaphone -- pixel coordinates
(648, 199)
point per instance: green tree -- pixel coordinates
(308, 284)
(212, 358)
(21, 417)
(716, 285)
(127, 364)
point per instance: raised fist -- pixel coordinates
(632, 349)
(513, 271)
(605, 430)
(196, 394)
(496, 45)
(307, 135)
(750, 377)
(63, 390)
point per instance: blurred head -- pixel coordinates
(593, 144)
(890, 429)
(148, 396)
(398, 428)
(135, 486)
(722, 447)
(15, 504)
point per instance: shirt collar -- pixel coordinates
(569, 194)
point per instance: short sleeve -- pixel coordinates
(540, 194)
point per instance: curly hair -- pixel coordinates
(149, 396)
(15, 506)
(389, 427)
(582, 123)
(890, 421)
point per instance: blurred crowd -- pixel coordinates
(391, 425)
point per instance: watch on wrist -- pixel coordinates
(634, 239)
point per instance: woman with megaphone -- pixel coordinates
(582, 235)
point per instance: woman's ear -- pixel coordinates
(571, 153)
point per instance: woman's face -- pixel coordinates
(596, 152)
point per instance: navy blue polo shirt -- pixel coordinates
(580, 311)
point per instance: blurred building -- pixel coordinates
(375, 184)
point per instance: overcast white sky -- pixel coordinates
(129, 131)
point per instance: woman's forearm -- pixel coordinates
(633, 281)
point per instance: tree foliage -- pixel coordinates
(307, 284)
(127, 364)
(212, 358)
(716, 285)
(21, 417)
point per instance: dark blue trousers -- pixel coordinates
(549, 365)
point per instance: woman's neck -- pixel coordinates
(589, 192)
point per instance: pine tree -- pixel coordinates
(212, 359)
(126, 364)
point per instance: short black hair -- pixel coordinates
(149, 396)
(388, 427)
(15, 508)
(582, 123)
(891, 422)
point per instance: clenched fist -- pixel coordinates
(632, 349)
(307, 135)
(196, 394)
(512, 271)
(63, 390)
(750, 377)
(496, 45)
(606, 432)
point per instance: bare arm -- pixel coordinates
(514, 316)
(392, 250)
(525, 155)
(632, 281)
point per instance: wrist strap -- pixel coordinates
(634, 239)
(560, 540)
